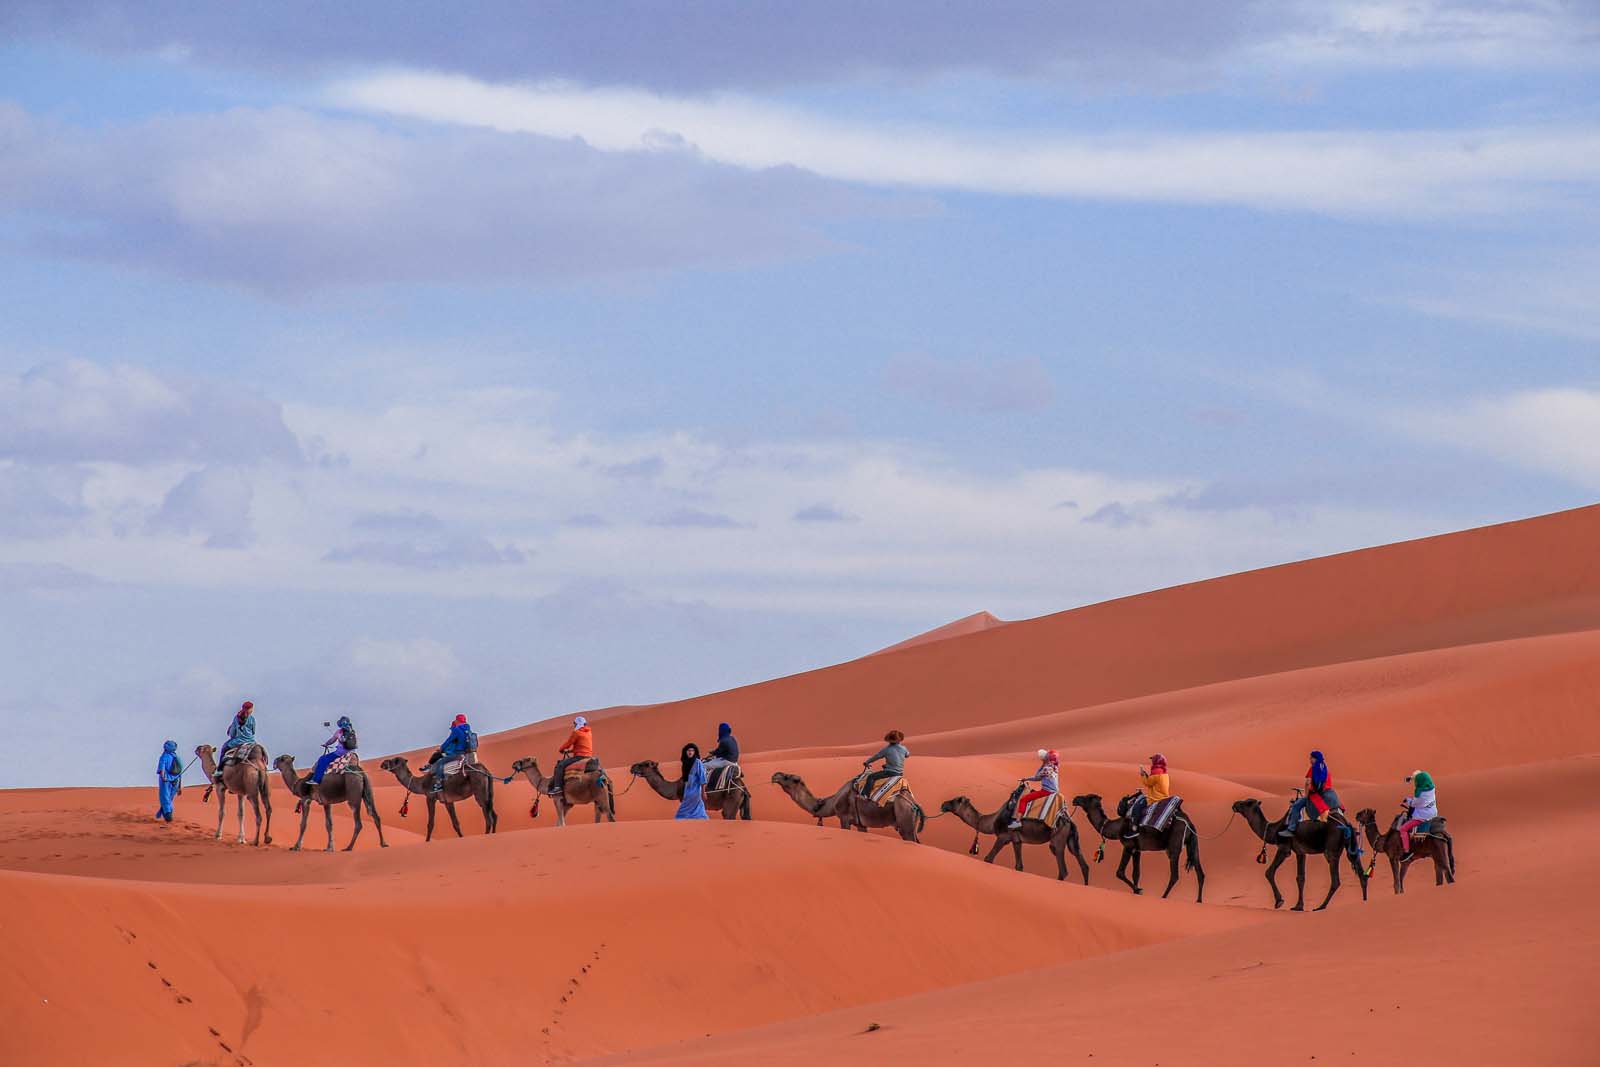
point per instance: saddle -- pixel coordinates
(242, 754)
(349, 763)
(887, 789)
(1050, 809)
(575, 770)
(720, 778)
(1158, 816)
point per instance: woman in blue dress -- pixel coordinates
(693, 805)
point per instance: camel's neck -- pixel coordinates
(803, 796)
(1258, 822)
(968, 813)
(208, 764)
(1373, 837)
(410, 781)
(535, 778)
(290, 778)
(667, 790)
(1096, 815)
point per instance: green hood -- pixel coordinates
(1421, 782)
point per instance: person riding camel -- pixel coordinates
(241, 732)
(1422, 806)
(578, 746)
(727, 750)
(1318, 783)
(1154, 784)
(1049, 778)
(893, 755)
(461, 742)
(342, 742)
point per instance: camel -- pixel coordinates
(826, 808)
(734, 800)
(1438, 847)
(472, 781)
(1062, 838)
(1312, 837)
(350, 785)
(1180, 836)
(903, 813)
(246, 779)
(591, 787)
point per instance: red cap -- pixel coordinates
(461, 720)
(246, 706)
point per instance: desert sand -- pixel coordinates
(1474, 655)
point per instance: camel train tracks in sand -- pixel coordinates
(1334, 838)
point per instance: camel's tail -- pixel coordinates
(1450, 853)
(1191, 847)
(490, 819)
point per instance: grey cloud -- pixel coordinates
(1117, 516)
(710, 43)
(693, 518)
(398, 522)
(822, 513)
(285, 201)
(976, 386)
(79, 411)
(40, 502)
(646, 468)
(450, 552)
(31, 577)
(588, 520)
(214, 501)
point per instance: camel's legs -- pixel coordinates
(1016, 845)
(355, 812)
(450, 810)
(241, 818)
(305, 814)
(1272, 870)
(1399, 878)
(1299, 881)
(1122, 868)
(993, 852)
(1361, 874)
(222, 808)
(255, 807)
(433, 811)
(1174, 850)
(327, 814)
(1333, 879)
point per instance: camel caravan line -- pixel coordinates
(862, 802)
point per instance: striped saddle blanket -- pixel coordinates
(1048, 809)
(887, 789)
(719, 778)
(1159, 815)
(243, 754)
(348, 762)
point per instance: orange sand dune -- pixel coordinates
(1476, 656)
(970, 624)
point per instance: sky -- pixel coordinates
(520, 358)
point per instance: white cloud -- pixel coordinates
(1552, 431)
(213, 502)
(1407, 173)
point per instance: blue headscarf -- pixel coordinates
(170, 748)
(1319, 770)
(723, 730)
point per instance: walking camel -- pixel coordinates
(825, 808)
(733, 800)
(1062, 837)
(903, 813)
(1313, 837)
(473, 782)
(1437, 847)
(590, 787)
(350, 785)
(247, 778)
(1180, 837)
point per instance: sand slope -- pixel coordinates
(1475, 655)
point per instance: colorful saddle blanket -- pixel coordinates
(719, 778)
(1158, 816)
(581, 768)
(1048, 809)
(243, 754)
(349, 762)
(886, 790)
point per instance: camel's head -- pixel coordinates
(523, 764)
(204, 751)
(783, 779)
(1086, 800)
(284, 762)
(953, 803)
(1247, 805)
(644, 767)
(393, 763)
(1366, 815)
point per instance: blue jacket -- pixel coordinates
(169, 767)
(241, 733)
(456, 743)
(1319, 772)
(727, 745)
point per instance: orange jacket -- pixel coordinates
(1156, 786)
(581, 743)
